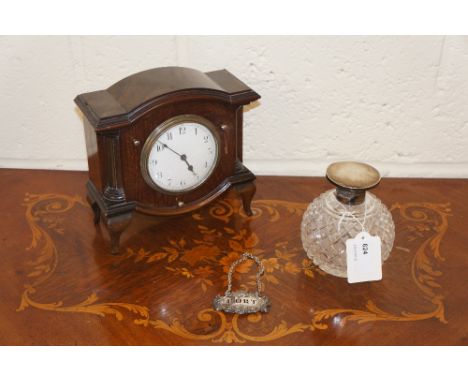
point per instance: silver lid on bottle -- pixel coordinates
(352, 180)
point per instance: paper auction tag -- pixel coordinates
(363, 258)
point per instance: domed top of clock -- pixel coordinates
(132, 96)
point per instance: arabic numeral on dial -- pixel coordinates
(169, 136)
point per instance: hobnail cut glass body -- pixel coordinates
(324, 229)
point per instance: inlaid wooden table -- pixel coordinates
(60, 286)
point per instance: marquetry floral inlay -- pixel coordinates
(204, 260)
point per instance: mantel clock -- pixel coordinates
(164, 142)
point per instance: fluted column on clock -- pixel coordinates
(113, 188)
(117, 212)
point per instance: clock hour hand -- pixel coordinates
(182, 157)
(189, 166)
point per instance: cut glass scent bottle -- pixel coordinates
(340, 214)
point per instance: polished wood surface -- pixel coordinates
(59, 285)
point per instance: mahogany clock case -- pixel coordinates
(134, 184)
(119, 120)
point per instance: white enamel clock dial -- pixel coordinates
(182, 157)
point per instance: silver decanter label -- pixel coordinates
(243, 302)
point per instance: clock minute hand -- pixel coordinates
(182, 157)
(175, 152)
